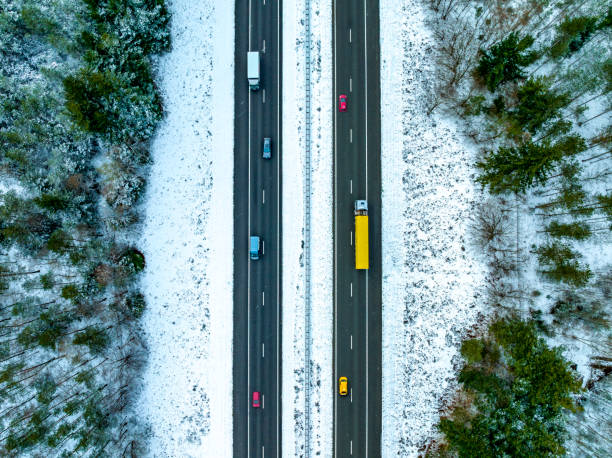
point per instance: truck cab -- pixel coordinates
(362, 245)
(254, 249)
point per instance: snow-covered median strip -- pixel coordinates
(321, 229)
(432, 274)
(188, 242)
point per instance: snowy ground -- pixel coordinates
(432, 273)
(187, 240)
(321, 228)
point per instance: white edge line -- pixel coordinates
(278, 225)
(249, 262)
(335, 447)
(365, 27)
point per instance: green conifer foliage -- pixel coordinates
(576, 230)
(519, 400)
(96, 339)
(573, 34)
(87, 96)
(536, 105)
(505, 61)
(515, 169)
(559, 262)
(605, 205)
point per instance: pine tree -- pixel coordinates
(515, 169)
(536, 105)
(560, 263)
(504, 62)
(573, 34)
(519, 399)
(576, 230)
(94, 338)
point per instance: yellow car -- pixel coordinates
(343, 386)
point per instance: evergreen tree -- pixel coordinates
(605, 205)
(515, 169)
(505, 61)
(573, 34)
(560, 263)
(519, 399)
(536, 105)
(576, 230)
(94, 338)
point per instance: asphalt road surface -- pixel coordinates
(257, 203)
(357, 293)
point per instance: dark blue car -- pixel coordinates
(267, 148)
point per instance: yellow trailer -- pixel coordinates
(362, 246)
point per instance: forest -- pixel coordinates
(530, 81)
(78, 108)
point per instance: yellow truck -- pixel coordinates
(362, 246)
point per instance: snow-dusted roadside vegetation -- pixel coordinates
(78, 106)
(531, 83)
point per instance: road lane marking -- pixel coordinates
(351, 238)
(263, 451)
(249, 261)
(351, 289)
(264, 47)
(263, 350)
(263, 247)
(263, 298)
(351, 395)
(263, 404)
(350, 84)
(335, 81)
(264, 96)
(351, 186)
(351, 349)
(263, 196)
(351, 135)
(367, 311)
(350, 35)
(278, 238)
(351, 447)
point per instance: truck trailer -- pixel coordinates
(362, 246)
(253, 70)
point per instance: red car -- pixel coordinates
(342, 102)
(256, 402)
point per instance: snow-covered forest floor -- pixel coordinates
(433, 273)
(187, 240)
(546, 241)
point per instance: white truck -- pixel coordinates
(253, 70)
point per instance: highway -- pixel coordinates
(357, 293)
(257, 204)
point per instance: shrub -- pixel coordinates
(59, 241)
(136, 304)
(472, 350)
(70, 292)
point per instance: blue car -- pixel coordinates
(267, 148)
(254, 248)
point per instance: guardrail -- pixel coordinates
(307, 189)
